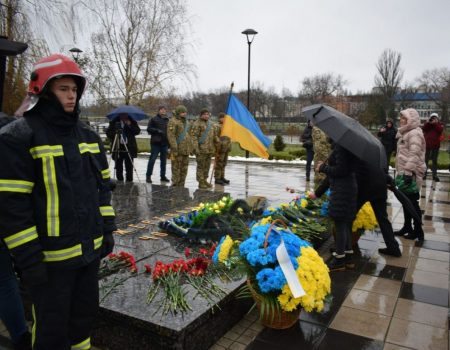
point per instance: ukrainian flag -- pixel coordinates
(240, 126)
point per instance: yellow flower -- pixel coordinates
(225, 248)
(217, 211)
(215, 206)
(365, 219)
(201, 205)
(240, 210)
(315, 280)
(221, 204)
(303, 203)
(266, 220)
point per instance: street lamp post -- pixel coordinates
(250, 34)
(75, 53)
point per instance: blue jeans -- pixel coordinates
(162, 151)
(11, 308)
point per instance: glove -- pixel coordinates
(407, 179)
(107, 245)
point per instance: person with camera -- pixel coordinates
(410, 165)
(56, 217)
(432, 131)
(122, 133)
(157, 128)
(307, 141)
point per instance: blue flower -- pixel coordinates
(270, 279)
(260, 257)
(249, 245)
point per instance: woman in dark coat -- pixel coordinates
(387, 137)
(308, 145)
(122, 133)
(341, 179)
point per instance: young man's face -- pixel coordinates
(205, 116)
(162, 112)
(65, 89)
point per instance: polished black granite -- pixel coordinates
(126, 320)
(337, 340)
(303, 335)
(385, 271)
(424, 294)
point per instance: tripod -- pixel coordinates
(115, 150)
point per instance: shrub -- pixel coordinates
(279, 144)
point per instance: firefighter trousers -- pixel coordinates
(64, 308)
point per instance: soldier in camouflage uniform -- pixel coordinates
(180, 145)
(322, 150)
(223, 147)
(204, 139)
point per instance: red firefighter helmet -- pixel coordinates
(51, 67)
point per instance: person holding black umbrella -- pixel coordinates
(341, 179)
(410, 165)
(122, 133)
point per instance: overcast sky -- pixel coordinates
(299, 38)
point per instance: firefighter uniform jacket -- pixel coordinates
(54, 190)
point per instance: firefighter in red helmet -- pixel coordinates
(55, 205)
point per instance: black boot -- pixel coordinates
(148, 179)
(225, 180)
(416, 234)
(403, 231)
(164, 179)
(219, 182)
(436, 179)
(336, 263)
(392, 252)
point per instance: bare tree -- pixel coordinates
(437, 85)
(388, 78)
(140, 46)
(320, 87)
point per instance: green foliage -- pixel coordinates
(279, 144)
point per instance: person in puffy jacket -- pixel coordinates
(56, 217)
(410, 164)
(432, 131)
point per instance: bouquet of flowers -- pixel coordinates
(266, 279)
(365, 219)
(169, 278)
(115, 269)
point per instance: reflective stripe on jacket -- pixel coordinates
(55, 198)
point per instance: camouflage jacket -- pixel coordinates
(322, 147)
(179, 136)
(223, 144)
(204, 137)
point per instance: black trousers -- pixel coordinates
(414, 198)
(124, 158)
(380, 211)
(64, 308)
(432, 154)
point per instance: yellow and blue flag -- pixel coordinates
(240, 126)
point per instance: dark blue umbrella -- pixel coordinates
(133, 112)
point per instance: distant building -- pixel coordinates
(423, 102)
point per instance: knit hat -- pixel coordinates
(203, 111)
(180, 109)
(221, 115)
(434, 116)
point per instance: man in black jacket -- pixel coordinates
(157, 128)
(55, 213)
(372, 187)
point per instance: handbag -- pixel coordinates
(406, 188)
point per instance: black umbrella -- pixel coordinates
(348, 133)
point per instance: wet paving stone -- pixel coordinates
(335, 339)
(425, 294)
(386, 271)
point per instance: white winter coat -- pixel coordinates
(411, 147)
